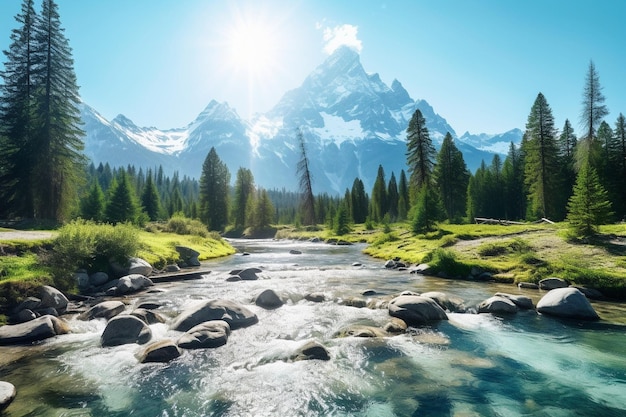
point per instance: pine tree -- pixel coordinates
(360, 201)
(567, 148)
(619, 157)
(403, 197)
(262, 212)
(379, 196)
(342, 220)
(392, 198)
(541, 165)
(244, 191)
(428, 210)
(589, 206)
(17, 114)
(420, 153)
(214, 190)
(122, 205)
(306, 183)
(150, 201)
(452, 178)
(513, 179)
(593, 108)
(93, 204)
(58, 144)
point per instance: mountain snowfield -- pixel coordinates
(351, 120)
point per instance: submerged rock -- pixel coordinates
(236, 315)
(105, 310)
(269, 300)
(359, 330)
(310, 351)
(148, 316)
(416, 310)
(315, 297)
(447, 302)
(568, 303)
(519, 300)
(552, 283)
(528, 285)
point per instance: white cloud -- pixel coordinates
(340, 36)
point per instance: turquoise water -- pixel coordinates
(470, 365)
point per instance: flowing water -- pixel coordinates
(470, 365)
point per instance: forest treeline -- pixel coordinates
(553, 173)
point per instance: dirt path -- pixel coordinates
(26, 235)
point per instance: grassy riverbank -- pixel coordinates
(26, 260)
(512, 254)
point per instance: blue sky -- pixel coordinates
(479, 63)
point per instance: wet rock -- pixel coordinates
(148, 316)
(552, 283)
(377, 304)
(161, 351)
(568, 303)
(7, 394)
(423, 269)
(23, 316)
(29, 303)
(40, 328)
(390, 264)
(590, 293)
(295, 252)
(416, 310)
(315, 297)
(125, 329)
(52, 298)
(497, 305)
(358, 330)
(519, 300)
(132, 283)
(105, 310)
(369, 292)
(236, 315)
(310, 351)
(149, 304)
(445, 301)
(395, 326)
(210, 334)
(172, 268)
(249, 274)
(269, 300)
(528, 285)
(407, 292)
(354, 302)
(357, 264)
(233, 278)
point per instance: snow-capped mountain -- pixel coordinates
(351, 120)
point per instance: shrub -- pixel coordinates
(445, 261)
(90, 246)
(182, 225)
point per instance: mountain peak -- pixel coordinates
(123, 121)
(217, 110)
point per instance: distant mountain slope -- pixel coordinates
(351, 120)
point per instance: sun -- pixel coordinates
(252, 47)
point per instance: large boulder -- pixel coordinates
(447, 302)
(552, 283)
(124, 329)
(52, 298)
(148, 316)
(132, 283)
(415, 309)
(29, 303)
(40, 328)
(103, 310)
(236, 315)
(568, 303)
(249, 274)
(497, 305)
(210, 334)
(161, 351)
(7, 394)
(268, 300)
(98, 278)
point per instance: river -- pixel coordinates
(470, 365)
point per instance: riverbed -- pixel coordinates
(470, 365)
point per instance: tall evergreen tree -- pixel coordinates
(244, 191)
(214, 188)
(619, 157)
(150, 201)
(589, 206)
(452, 178)
(58, 145)
(403, 197)
(262, 212)
(360, 202)
(306, 183)
(594, 109)
(379, 196)
(513, 179)
(420, 152)
(122, 205)
(541, 165)
(392, 198)
(428, 209)
(93, 204)
(17, 113)
(567, 148)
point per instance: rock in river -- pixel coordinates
(210, 334)
(40, 328)
(568, 303)
(124, 329)
(415, 309)
(236, 315)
